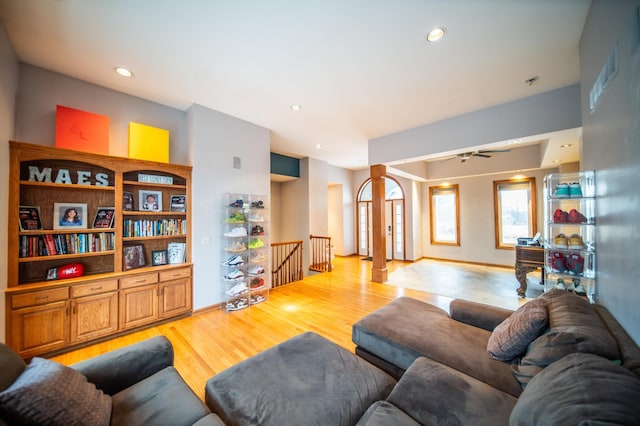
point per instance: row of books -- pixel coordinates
(54, 244)
(154, 228)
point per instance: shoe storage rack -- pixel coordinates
(570, 226)
(245, 246)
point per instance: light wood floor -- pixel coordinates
(327, 304)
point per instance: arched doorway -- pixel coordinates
(394, 219)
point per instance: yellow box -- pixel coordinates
(148, 143)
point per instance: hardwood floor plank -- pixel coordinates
(327, 303)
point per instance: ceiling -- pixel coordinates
(360, 69)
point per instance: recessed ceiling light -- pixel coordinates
(295, 107)
(124, 72)
(566, 145)
(515, 141)
(436, 34)
(318, 146)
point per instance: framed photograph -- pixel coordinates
(150, 201)
(176, 252)
(178, 203)
(69, 215)
(30, 218)
(133, 257)
(127, 201)
(104, 217)
(159, 257)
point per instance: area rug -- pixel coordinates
(486, 284)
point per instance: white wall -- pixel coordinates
(342, 210)
(214, 139)
(611, 146)
(276, 212)
(8, 87)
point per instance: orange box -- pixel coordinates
(81, 130)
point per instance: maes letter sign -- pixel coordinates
(63, 176)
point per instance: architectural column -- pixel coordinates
(378, 235)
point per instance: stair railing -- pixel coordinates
(287, 262)
(321, 254)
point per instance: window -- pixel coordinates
(445, 215)
(515, 210)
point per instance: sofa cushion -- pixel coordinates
(432, 393)
(574, 326)
(579, 389)
(512, 336)
(53, 394)
(161, 399)
(12, 366)
(304, 380)
(406, 329)
(383, 413)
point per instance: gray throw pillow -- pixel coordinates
(579, 389)
(511, 337)
(48, 393)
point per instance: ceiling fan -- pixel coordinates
(484, 153)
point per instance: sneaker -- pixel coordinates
(560, 216)
(234, 275)
(234, 260)
(256, 270)
(257, 298)
(257, 204)
(575, 263)
(560, 284)
(560, 241)
(236, 247)
(257, 258)
(237, 289)
(558, 261)
(257, 230)
(256, 243)
(256, 283)
(576, 217)
(237, 203)
(256, 218)
(235, 218)
(575, 191)
(562, 190)
(238, 231)
(578, 288)
(239, 303)
(575, 242)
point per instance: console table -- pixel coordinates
(528, 258)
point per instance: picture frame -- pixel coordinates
(133, 257)
(178, 203)
(176, 253)
(158, 257)
(127, 201)
(29, 218)
(150, 201)
(69, 216)
(104, 217)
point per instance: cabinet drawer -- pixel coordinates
(175, 274)
(138, 280)
(94, 288)
(39, 297)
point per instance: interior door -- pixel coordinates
(398, 229)
(388, 226)
(364, 231)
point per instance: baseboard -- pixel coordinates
(493, 265)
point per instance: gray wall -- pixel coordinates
(611, 146)
(8, 87)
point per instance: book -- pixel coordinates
(104, 217)
(29, 218)
(178, 203)
(177, 252)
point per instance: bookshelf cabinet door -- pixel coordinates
(40, 329)
(138, 306)
(94, 316)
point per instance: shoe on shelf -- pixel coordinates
(237, 203)
(257, 298)
(257, 258)
(236, 247)
(237, 304)
(256, 283)
(558, 261)
(560, 241)
(256, 218)
(256, 243)
(235, 218)
(560, 216)
(576, 217)
(256, 270)
(257, 204)
(578, 288)
(234, 275)
(234, 260)
(575, 242)
(562, 190)
(237, 289)
(575, 263)
(238, 231)
(257, 230)
(575, 191)
(560, 284)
